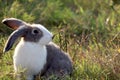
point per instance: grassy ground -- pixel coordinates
(96, 62)
(88, 30)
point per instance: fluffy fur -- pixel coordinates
(30, 57)
(35, 53)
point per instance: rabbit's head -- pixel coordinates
(34, 33)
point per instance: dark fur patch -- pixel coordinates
(33, 34)
(58, 62)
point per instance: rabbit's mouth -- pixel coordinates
(53, 36)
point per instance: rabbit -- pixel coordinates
(35, 52)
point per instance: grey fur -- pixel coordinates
(13, 37)
(58, 62)
(31, 34)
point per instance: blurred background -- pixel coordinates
(89, 30)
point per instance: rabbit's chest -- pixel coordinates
(30, 57)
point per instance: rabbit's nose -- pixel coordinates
(53, 36)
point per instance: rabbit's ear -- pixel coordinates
(13, 22)
(13, 37)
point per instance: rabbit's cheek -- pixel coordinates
(45, 40)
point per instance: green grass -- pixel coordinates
(88, 30)
(91, 63)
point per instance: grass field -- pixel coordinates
(88, 30)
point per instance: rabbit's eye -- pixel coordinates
(35, 31)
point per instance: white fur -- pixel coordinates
(31, 56)
(47, 36)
